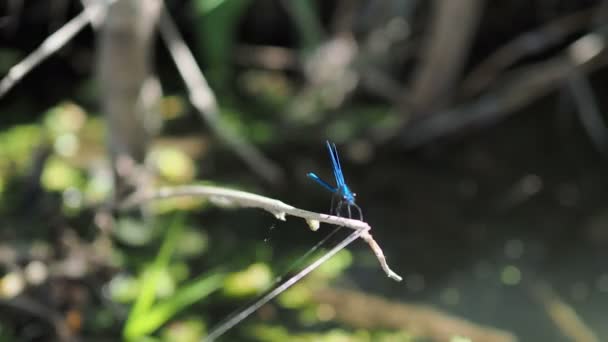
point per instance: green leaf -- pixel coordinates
(217, 26)
(185, 296)
(308, 24)
(149, 281)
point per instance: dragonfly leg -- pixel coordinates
(331, 209)
(350, 215)
(358, 210)
(339, 209)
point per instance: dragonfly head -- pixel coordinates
(348, 196)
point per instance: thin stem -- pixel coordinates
(232, 321)
(205, 102)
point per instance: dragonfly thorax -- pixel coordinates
(347, 195)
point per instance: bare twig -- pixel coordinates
(232, 321)
(444, 55)
(588, 110)
(205, 102)
(51, 44)
(524, 45)
(236, 198)
(516, 90)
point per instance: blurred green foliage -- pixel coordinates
(217, 25)
(307, 22)
(157, 278)
(159, 270)
(148, 313)
(249, 282)
(275, 333)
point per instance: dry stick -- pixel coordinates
(230, 197)
(204, 100)
(515, 91)
(50, 45)
(527, 44)
(588, 110)
(444, 54)
(45, 313)
(232, 321)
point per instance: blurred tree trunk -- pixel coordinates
(443, 56)
(129, 91)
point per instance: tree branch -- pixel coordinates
(51, 44)
(204, 101)
(235, 198)
(444, 54)
(517, 89)
(529, 43)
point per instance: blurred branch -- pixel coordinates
(205, 102)
(515, 90)
(563, 315)
(524, 45)
(223, 327)
(129, 90)
(367, 312)
(236, 198)
(36, 309)
(51, 44)
(588, 110)
(453, 25)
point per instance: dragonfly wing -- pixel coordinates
(339, 165)
(335, 162)
(340, 174)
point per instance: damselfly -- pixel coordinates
(341, 191)
(345, 197)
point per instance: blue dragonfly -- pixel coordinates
(342, 192)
